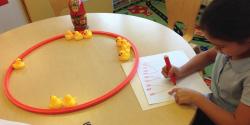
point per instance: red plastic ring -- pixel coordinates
(85, 105)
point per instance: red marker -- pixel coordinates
(168, 67)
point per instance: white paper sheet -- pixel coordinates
(5, 122)
(154, 86)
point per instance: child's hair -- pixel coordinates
(227, 20)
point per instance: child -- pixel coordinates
(226, 23)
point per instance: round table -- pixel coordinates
(86, 69)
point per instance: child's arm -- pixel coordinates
(199, 62)
(195, 64)
(218, 115)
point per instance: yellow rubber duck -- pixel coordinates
(123, 55)
(69, 101)
(78, 36)
(125, 48)
(19, 64)
(119, 41)
(69, 35)
(55, 102)
(87, 34)
(124, 42)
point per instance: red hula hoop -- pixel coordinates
(85, 105)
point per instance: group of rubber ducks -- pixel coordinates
(124, 48)
(78, 35)
(57, 103)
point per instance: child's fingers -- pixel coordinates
(164, 73)
(172, 75)
(174, 90)
(172, 72)
(164, 69)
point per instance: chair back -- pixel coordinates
(184, 11)
(59, 7)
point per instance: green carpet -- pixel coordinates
(153, 16)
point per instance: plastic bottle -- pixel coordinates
(78, 14)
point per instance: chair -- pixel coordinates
(59, 7)
(184, 11)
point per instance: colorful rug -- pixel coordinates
(140, 9)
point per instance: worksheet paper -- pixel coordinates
(154, 85)
(5, 122)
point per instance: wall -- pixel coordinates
(39, 9)
(12, 15)
(94, 6)
(42, 9)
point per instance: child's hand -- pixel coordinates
(185, 96)
(174, 71)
